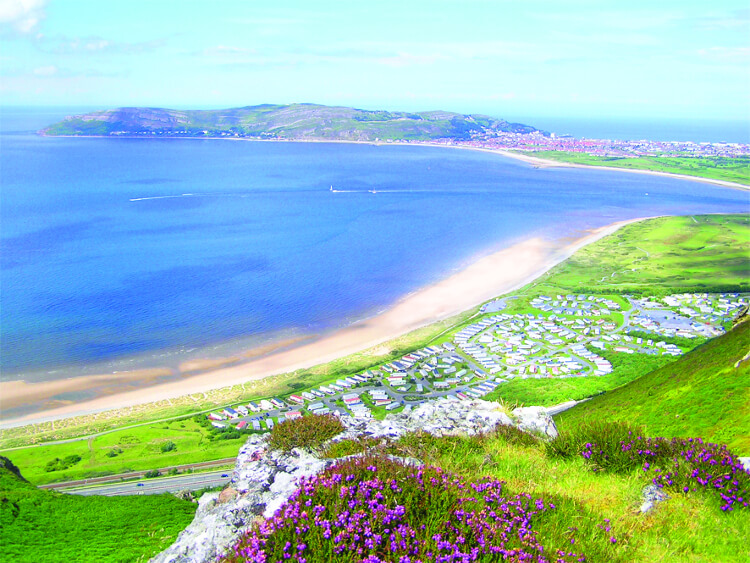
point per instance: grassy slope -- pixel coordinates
(686, 528)
(717, 168)
(39, 525)
(700, 395)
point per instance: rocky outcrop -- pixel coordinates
(440, 418)
(216, 526)
(264, 479)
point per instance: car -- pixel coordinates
(224, 475)
(139, 485)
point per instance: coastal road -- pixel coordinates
(137, 474)
(191, 482)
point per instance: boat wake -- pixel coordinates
(162, 197)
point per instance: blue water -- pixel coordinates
(116, 250)
(682, 130)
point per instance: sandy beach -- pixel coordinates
(489, 277)
(546, 163)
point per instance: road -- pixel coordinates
(192, 482)
(135, 474)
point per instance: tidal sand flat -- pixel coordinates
(122, 255)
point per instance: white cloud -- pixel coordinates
(727, 54)
(226, 50)
(408, 59)
(49, 70)
(97, 45)
(22, 15)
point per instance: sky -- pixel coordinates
(666, 59)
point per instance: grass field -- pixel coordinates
(701, 253)
(135, 449)
(37, 525)
(655, 257)
(716, 168)
(684, 529)
(701, 394)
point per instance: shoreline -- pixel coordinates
(546, 163)
(534, 161)
(499, 273)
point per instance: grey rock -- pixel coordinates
(215, 528)
(536, 420)
(652, 495)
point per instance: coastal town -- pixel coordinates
(538, 141)
(524, 142)
(555, 337)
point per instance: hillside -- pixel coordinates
(468, 481)
(705, 393)
(294, 121)
(38, 525)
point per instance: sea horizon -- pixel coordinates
(703, 130)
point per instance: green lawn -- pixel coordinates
(728, 169)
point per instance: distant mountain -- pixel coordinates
(294, 121)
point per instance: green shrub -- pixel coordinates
(305, 432)
(58, 464)
(168, 447)
(349, 447)
(514, 435)
(608, 438)
(151, 474)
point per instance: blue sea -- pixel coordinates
(122, 253)
(635, 129)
